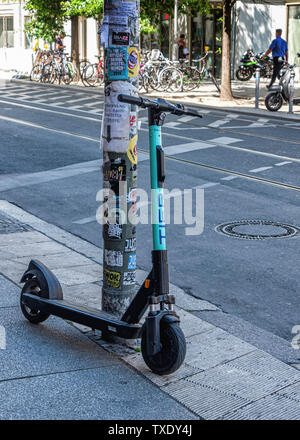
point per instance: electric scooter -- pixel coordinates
(162, 340)
(281, 93)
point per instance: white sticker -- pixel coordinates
(116, 118)
(113, 258)
(129, 278)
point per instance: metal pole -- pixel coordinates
(257, 81)
(119, 34)
(292, 90)
(175, 36)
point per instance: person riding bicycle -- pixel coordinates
(279, 49)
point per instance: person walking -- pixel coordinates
(59, 45)
(182, 49)
(279, 49)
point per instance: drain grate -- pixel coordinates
(257, 229)
(9, 225)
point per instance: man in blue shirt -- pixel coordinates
(279, 51)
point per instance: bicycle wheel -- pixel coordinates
(73, 72)
(92, 75)
(36, 71)
(191, 78)
(49, 73)
(170, 79)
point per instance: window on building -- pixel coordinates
(28, 38)
(293, 32)
(6, 32)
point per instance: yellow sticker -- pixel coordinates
(131, 151)
(133, 62)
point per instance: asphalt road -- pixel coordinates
(248, 168)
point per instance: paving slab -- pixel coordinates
(58, 261)
(9, 294)
(50, 347)
(209, 349)
(108, 393)
(275, 407)
(223, 375)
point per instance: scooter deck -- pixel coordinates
(94, 318)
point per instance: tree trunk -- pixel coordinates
(226, 93)
(75, 41)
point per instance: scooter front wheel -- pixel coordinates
(274, 101)
(34, 316)
(173, 349)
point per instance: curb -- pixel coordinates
(223, 377)
(174, 99)
(254, 112)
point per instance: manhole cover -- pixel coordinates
(9, 225)
(257, 229)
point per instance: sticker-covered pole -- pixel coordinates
(119, 35)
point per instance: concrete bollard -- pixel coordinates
(292, 91)
(257, 81)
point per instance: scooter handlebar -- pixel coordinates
(159, 104)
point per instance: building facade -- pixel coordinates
(254, 26)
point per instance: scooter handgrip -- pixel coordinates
(130, 99)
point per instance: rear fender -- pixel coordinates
(50, 285)
(275, 89)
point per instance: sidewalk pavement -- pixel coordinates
(55, 371)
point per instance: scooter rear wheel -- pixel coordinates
(173, 349)
(274, 101)
(34, 287)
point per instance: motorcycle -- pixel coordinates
(250, 62)
(281, 93)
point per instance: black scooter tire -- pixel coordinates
(269, 99)
(34, 287)
(244, 77)
(173, 349)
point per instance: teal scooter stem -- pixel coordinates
(163, 344)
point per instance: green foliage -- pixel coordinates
(49, 15)
(87, 8)
(146, 27)
(153, 8)
(46, 19)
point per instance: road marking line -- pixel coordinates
(258, 170)
(9, 182)
(218, 123)
(78, 100)
(280, 164)
(232, 116)
(30, 124)
(85, 220)
(186, 118)
(229, 178)
(171, 124)
(225, 140)
(185, 148)
(260, 123)
(50, 111)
